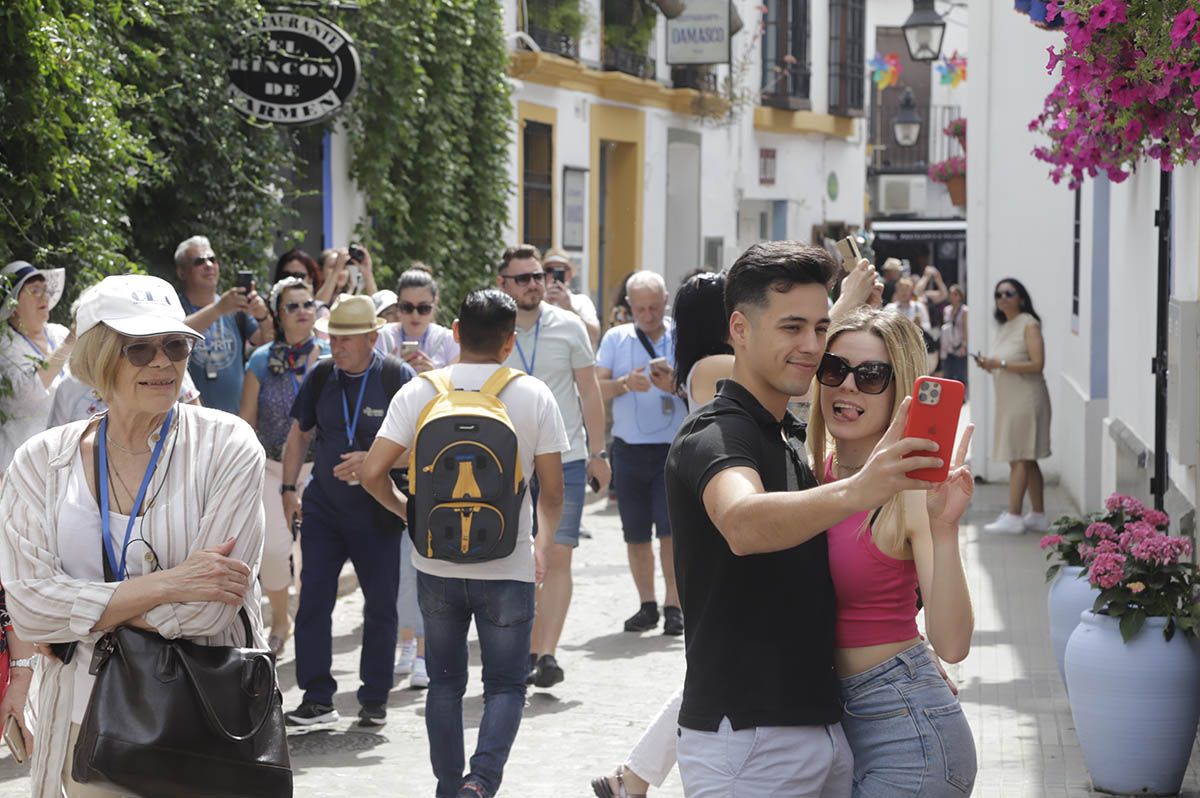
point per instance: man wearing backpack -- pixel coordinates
(472, 455)
(341, 404)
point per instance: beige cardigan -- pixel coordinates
(209, 487)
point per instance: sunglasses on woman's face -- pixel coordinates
(424, 308)
(296, 275)
(292, 307)
(871, 377)
(141, 353)
(1005, 294)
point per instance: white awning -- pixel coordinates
(920, 230)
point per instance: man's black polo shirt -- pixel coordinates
(759, 629)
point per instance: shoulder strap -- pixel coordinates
(440, 380)
(392, 375)
(646, 344)
(320, 375)
(499, 380)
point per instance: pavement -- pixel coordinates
(616, 682)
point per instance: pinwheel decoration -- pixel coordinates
(885, 70)
(953, 70)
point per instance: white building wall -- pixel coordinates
(1020, 223)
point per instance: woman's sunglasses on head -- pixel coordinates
(141, 353)
(871, 377)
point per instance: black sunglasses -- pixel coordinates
(296, 275)
(523, 279)
(140, 354)
(424, 308)
(1005, 294)
(292, 307)
(871, 377)
(200, 261)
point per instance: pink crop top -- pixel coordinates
(876, 594)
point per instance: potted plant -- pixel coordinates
(952, 172)
(1132, 663)
(1070, 593)
(957, 130)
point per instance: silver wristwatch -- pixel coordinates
(23, 663)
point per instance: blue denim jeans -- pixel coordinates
(503, 612)
(907, 731)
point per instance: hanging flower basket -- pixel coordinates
(952, 172)
(1129, 88)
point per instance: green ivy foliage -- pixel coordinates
(118, 140)
(430, 132)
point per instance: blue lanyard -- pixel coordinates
(352, 425)
(35, 347)
(529, 364)
(106, 534)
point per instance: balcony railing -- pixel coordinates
(700, 78)
(552, 41)
(932, 146)
(618, 59)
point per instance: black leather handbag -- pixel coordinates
(176, 718)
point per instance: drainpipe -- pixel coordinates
(1162, 220)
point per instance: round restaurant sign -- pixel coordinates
(293, 70)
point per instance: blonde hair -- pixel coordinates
(94, 359)
(906, 355)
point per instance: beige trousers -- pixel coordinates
(74, 788)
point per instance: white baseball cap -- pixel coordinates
(136, 305)
(384, 299)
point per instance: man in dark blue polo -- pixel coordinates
(342, 405)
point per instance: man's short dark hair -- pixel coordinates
(775, 266)
(486, 320)
(519, 252)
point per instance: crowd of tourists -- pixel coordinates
(193, 465)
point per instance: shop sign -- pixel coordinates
(700, 35)
(293, 70)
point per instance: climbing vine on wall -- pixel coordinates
(429, 135)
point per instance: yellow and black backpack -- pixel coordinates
(464, 473)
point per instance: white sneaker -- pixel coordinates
(1006, 524)
(420, 677)
(1036, 522)
(406, 657)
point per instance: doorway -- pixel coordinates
(618, 144)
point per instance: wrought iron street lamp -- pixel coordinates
(923, 32)
(906, 126)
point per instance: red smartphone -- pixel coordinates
(933, 414)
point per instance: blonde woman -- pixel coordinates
(182, 546)
(906, 729)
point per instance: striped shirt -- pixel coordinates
(207, 488)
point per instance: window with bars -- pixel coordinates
(538, 185)
(786, 72)
(847, 56)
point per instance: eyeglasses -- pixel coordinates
(1005, 294)
(292, 307)
(424, 308)
(37, 290)
(523, 279)
(871, 377)
(140, 354)
(203, 259)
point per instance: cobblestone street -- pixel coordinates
(616, 682)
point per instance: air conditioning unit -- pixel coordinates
(896, 194)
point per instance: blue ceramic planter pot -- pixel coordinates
(1069, 596)
(1135, 704)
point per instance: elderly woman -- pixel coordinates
(32, 353)
(273, 377)
(174, 506)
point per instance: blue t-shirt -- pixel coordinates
(327, 413)
(641, 417)
(217, 364)
(277, 390)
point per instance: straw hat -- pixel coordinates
(351, 315)
(892, 265)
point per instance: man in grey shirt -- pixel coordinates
(553, 345)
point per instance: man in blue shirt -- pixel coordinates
(343, 407)
(228, 323)
(634, 366)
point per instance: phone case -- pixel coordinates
(14, 739)
(849, 252)
(933, 414)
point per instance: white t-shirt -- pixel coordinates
(584, 308)
(539, 425)
(437, 343)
